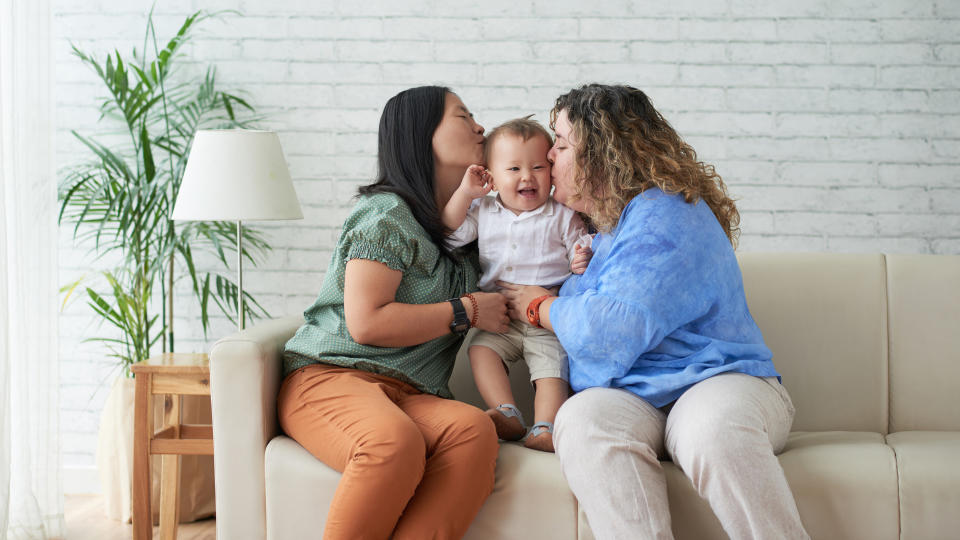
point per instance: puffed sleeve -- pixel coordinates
(467, 232)
(379, 231)
(654, 279)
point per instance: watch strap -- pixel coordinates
(460, 323)
(533, 310)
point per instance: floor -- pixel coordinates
(86, 521)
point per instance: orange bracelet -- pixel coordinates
(533, 310)
(476, 310)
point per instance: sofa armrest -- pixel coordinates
(245, 373)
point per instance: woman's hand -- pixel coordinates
(476, 182)
(491, 309)
(519, 297)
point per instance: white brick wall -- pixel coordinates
(835, 123)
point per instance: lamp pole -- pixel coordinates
(240, 315)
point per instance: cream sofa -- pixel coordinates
(869, 348)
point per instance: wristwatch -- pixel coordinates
(461, 323)
(533, 310)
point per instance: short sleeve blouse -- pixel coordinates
(382, 228)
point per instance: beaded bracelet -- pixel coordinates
(476, 310)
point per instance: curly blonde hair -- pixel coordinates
(624, 147)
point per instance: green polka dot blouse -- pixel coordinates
(382, 228)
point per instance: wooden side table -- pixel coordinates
(173, 375)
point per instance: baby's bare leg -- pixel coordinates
(490, 376)
(551, 393)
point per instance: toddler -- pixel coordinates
(524, 237)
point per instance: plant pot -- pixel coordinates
(115, 458)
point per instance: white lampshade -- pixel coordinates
(236, 175)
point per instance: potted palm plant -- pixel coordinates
(119, 204)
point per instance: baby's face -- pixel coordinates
(520, 170)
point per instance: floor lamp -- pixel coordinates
(236, 175)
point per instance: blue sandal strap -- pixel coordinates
(510, 411)
(540, 427)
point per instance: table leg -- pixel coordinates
(142, 433)
(170, 473)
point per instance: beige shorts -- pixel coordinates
(539, 347)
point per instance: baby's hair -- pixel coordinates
(525, 128)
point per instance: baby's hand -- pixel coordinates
(581, 259)
(476, 182)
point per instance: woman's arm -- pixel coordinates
(374, 317)
(604, 332)
(520, 296)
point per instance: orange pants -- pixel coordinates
(414, 465)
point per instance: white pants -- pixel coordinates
(723, 433)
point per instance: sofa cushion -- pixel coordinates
(840, 480)
(824, 317)
(927, 462)
(530, 497)
(299, 490)
(845, 484)
(924, 299)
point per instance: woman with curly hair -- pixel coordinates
(664, 355)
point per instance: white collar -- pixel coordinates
(545, 208)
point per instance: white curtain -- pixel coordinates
(31, 498)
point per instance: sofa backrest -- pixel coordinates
(848, 365)
(824, 317)
(924, 299)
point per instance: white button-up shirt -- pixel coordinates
(534, 248)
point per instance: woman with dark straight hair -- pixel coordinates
(365, 388)
(405, 161)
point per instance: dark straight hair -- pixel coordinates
(405, 155)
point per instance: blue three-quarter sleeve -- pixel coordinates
(661, 305)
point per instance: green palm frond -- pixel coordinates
(119, 200)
